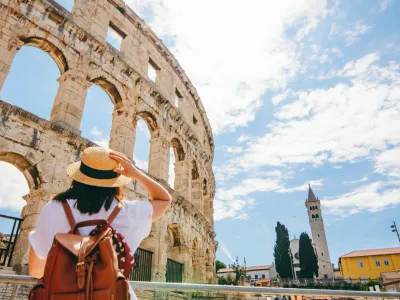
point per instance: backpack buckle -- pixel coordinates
(80, 264)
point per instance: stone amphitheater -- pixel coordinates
(169, 104)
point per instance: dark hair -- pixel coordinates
(90, 199)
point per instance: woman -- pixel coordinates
(95, 191)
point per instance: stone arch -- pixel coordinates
(151, 122)
(110, 89)
(175, 235)
(195, 170)
(205, 187)
(55, 53)
(178, 149)
(27, 169)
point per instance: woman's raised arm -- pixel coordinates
(159, 196)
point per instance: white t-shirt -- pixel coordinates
(133, 221)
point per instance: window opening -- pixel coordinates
(152, 70)
(178, 98)
(360, 264)
(386, 262)
(115, 36)
(377, 263)
(194, 120)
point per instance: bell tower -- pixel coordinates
(318, 235)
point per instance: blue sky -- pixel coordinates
(296, 94)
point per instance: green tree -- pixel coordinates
(225, 280)
(308, 259)
(219, 265)
(239, 271)
(281, 251)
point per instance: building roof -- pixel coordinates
(390, 277)
(372, 252)
(255, 268)
(311, 196)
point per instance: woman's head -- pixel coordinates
(95, 184)
(90, 199)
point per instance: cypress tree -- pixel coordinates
(308, 259)
(281, 251)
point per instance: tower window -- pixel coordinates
(316, 207)
(386, 262)
(322, 254)
(194, 120)
(316, 217)
(318, 234)
(178, 98)
(377, 263)
(360, 264)
(313, 217)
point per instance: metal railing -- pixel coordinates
(7, 253)
(230, 292)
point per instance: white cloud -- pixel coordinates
(372, 197)
(235, 201)
(353, 34)
(388, 162)
(343, 123)
(364, 179)
(324, 58)
(337, 167)
(98, 138)
(280, 97)
(315, 184)
(268, 57)
(13, 186)
(142, 164)
(234, 150)
(384, 5)
(227, 252)
(96, 133)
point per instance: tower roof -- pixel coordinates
(311, 196)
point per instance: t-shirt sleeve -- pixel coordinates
(144, 214)
(41, 238)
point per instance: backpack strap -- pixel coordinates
(68, 213)
(115, 213)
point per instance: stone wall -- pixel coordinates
(42, 149)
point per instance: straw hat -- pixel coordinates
(96, 168)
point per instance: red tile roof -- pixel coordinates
(372, 252)
(255, 268)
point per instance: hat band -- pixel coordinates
(98, 174)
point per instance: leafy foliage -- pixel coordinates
(308, 259)
(219, 265)
(281, 251)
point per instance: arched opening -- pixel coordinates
(195, 171)
(97, 115)
(316, 217)
(175, 255)
(32, 80)
(141, 153)
(176, 154)
(205, 188)
(17, 177)
(313, 217)
(197, 198)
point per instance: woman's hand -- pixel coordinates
(127, 168)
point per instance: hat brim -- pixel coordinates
(73, 171)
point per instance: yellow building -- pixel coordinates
(366, 264)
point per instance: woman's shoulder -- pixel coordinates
(137, 206)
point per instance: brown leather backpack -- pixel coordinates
(82, 267)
